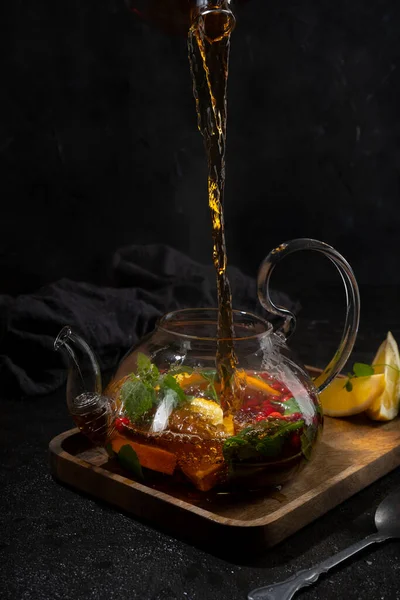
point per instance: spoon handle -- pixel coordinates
(286, 589)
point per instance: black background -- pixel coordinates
(99, 149)
(99, 146)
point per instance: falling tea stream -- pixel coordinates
(209, 45)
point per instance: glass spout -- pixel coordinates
(91, 411)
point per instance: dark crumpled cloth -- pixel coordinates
(148, 282)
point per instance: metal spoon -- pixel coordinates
(387, 521)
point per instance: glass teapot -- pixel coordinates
(163, 412)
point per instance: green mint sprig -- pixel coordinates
(264, 442)
(129, 460)
(169, 382)
(211, 377)
(145, 388)
(147, 372)
(138, 398)
(363, 370)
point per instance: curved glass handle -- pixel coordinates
(289, 325)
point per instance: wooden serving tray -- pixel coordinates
(352, 454)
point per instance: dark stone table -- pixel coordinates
(56, 543)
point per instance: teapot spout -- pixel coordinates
(90, 410)
(84, 371)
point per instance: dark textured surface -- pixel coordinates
(99, 146)
(56, 543)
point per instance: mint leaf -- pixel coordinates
(291, 406)
(170, 383)
(143, 362)
(146, 371)
(362, 370)
(210, 376)
(213, 392)
(137, 398)
(291, 427)
(239, 447)
(270, 446)
(129, 461)
(348, 385)
(265, 442)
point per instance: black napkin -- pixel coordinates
(148, 281)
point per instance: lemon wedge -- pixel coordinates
(210, 411)
(338, 402)
(385, 406)
(229, 425)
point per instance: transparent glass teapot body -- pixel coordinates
(164, 413)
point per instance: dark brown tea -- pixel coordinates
(209, 44)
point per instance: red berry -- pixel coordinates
(295, 441)
(294, 416)
(120, 423)
(275, 384)
(266, 405)
(252, 402)
(260, 418)
(266, 376)
(276, 415)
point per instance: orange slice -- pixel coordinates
(206, 478)
(150, 457)
(258, 384)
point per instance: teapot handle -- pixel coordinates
(352, 301)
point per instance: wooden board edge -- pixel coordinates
(173, 518)
(128, 496)
(281, 526)
(357, 477)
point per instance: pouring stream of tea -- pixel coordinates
(209, 43)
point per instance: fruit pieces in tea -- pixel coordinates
(175, 424)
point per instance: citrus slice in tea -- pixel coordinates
(209, 410)
(338, 402)
(258, 384)
(386, 363)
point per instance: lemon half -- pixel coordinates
(385, 406)
(210, 411)
(338, 402)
